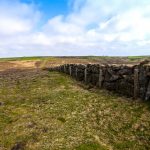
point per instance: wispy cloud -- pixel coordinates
(92, 27)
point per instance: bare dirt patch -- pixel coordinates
(17, 65)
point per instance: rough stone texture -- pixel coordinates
(131, 81)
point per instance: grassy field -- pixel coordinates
(41, 110)
(81, 59)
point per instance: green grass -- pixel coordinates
(90, 146)
(49, 111)
(35, 58)
(137, 58)
(47, 61)
(21, 58)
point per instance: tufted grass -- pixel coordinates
(42, 110)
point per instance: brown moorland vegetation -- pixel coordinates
(48, 111)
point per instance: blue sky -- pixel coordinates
(74, 27)
(51, 8)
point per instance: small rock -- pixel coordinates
(114, 78)
(31, 124)
(18, 146)
(1, 103)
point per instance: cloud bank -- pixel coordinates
(98, 27)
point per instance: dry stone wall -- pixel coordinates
(131, 81)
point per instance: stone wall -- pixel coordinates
(130, 81)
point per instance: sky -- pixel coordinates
(74, 27)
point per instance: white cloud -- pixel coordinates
(16, 17)
(93, 27)
(58, 26)
(113, 24)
